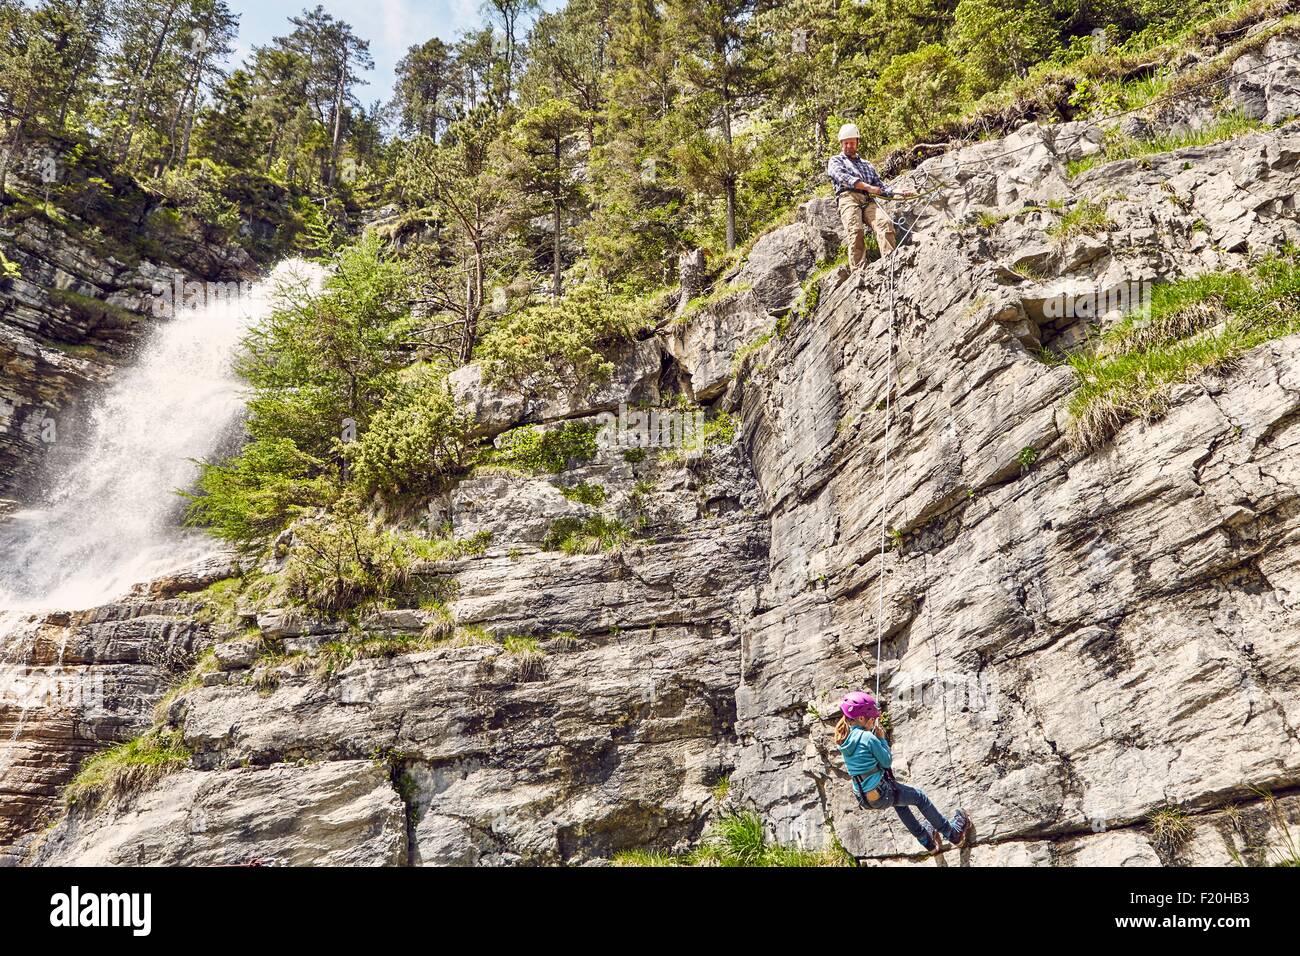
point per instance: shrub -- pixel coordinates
(1001, 39)
(552, 449)
(558, 345)
(416, 439)
(585, 493)
(259, 491)
(921, 89)
(341, 560)
(196, 195)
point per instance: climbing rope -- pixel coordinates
(892, 263)
(892, 272)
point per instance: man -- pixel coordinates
(856, 182)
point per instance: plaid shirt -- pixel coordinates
(845, 172)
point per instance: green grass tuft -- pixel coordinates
(586, 535)
(739, 840)
(1195, 326)
(1117, 147)
(128, 768)
(1087, 218)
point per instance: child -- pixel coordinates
(867, 758)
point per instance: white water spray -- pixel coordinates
(111, 519)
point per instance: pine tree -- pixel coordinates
(541, 154)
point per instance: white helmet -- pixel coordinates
(849, 131)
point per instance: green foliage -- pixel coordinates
(128, 768)
(1195, 326)
(920, 90)
(1000, 39)
(97, 312)
(334, 656)
(517, 644)
(739, 840)
(344, 559)
(195, 194)
(1026, 457)
(8, 268)
(584, 493)
(251, 497)
(447, 549)
(319, 363)
(553, 450)
(1086, 218)
(749, 349)
(341, 560)
(589, 535)
(416, 439)
(319, 359)
(559, 345)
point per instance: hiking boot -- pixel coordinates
(964, 825)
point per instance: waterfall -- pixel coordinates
(112, 517)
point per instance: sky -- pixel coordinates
(391, 26)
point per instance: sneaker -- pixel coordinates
(936, 843)
(963, 824)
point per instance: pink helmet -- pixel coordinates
(857, 704)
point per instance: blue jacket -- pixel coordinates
(865, 753)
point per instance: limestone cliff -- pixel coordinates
(1072, 637)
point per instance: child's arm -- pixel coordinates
(880, 750)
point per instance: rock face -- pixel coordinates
(89, 679)
(341, 813)
(1070, 645)
(1071, 642)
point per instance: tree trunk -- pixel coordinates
(337, 137)
(144, 80)
(731, 213)
(555, 252)
(15, 144)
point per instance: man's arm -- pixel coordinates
(841, 173)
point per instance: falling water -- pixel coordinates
(112, 518)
